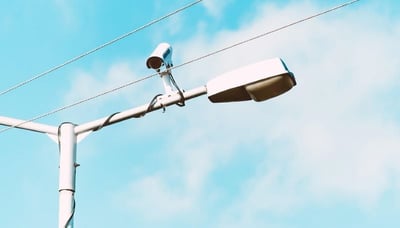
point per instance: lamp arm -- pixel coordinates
(28, 125)
(162, 102)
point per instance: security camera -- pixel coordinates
(160, 56)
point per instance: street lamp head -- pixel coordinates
(160, 56)
(258, 82)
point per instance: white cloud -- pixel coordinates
(67, 12)
(179, 190)
(338, 143)
(160, 202)
(215, 7)
(90, 83)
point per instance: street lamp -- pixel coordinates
(259, 81)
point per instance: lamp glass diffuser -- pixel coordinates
(258, 82)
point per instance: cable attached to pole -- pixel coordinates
(182, 102)
(72, 214)
(181, 65)
(149, 108)
(106, 122)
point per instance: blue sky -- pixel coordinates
(325, 154)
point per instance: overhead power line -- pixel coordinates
(78, 103)
(36, 77)
(181, 65)
(267, 33)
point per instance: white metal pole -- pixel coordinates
(167, 100)
(67, 169)
(68, 134)
(26, 125)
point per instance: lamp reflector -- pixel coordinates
(269, 88)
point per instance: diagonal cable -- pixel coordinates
(265, 34)
(96, 49)
(52, 112)
(181, 65)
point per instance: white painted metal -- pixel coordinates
(68, 134)
(22, 124)
(231, 86)
(162, 55)
(83, 136)
(164, 101)
(68, 140)
(53, 137)
(166, 82)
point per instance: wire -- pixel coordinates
(181, 65)
(265, 34)
(182, 102)
(151, 106)
(106, 122)
(97, 48)
(72, 214)
(76, 103)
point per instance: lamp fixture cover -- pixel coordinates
(259, 81)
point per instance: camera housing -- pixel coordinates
(161, 56)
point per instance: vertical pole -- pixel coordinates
(67, 169)
(165, 76)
